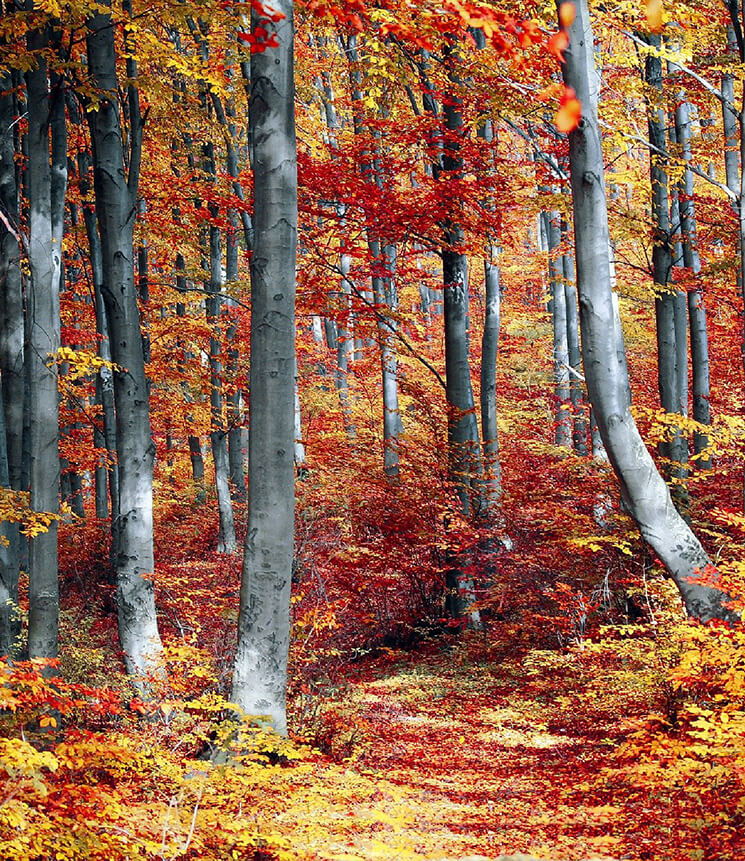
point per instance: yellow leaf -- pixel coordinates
(654, 15)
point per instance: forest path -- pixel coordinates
(446, 758)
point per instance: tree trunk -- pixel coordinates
(465, 465)
(9, 611)
(643, 489)
(562, 406)
(236, 458)
(45, 264)
(260, 674)
(226, 541)
(579, 410)
(667, 300)
(696, 310)
(115, 193)
(11, 365)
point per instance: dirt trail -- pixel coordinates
(454, 760)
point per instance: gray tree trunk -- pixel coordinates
(696, 309)
(643, 489)
(11, 365)
(562, 407)
(465, 463)
(260, 673)
(667, 300)
(489, 353)
(116, 205)
(236, 457)
(579, 410)
(226, 540)
(730, 123)
(9, 611)
(45, 204)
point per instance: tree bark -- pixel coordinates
(667, 299)
(643, 489)
(226, 541)
(104, 378)
(45, 264)
(696, 309)
(562, 405)
(236, 457)
(260, 673)
(11, 364)
(579, 409)
(116, 206)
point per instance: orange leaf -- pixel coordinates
(654, 15)
(557, 44)
(570, 112)
(567, 14)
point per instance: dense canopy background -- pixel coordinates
(372, 430)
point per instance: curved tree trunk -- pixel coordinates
(643, 489)
(260, 673)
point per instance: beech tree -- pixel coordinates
(11, 360)
(115, 187)
(46, 195)
(643, 488)
(260, 670)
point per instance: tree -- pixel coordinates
(260, 670)
(643, 489)
(116, 206)
(11, 358)
(46, 195)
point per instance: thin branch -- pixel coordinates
(730, 194)
(709, 87)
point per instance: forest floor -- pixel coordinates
(448, 756)
(626, 743)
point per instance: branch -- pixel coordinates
(728, 191)
(554, 165)
(709, 87)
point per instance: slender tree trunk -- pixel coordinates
(11, 365)
(563, 411)
(300, 466)
(45, 263)
(643, 488)
(116, 206)
(729, 123)
(9, 611)
(345, 346)
(579, 410)
(667, 300)
(696, 309)
(465, 465)
(260, 674)
(236, 458)
(489, 353)
(226, 542)
(109, 480)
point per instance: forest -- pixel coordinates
(372, 430)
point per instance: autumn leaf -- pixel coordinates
(567, 14)
(557, 44)
(570, 111)
(654, 15)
